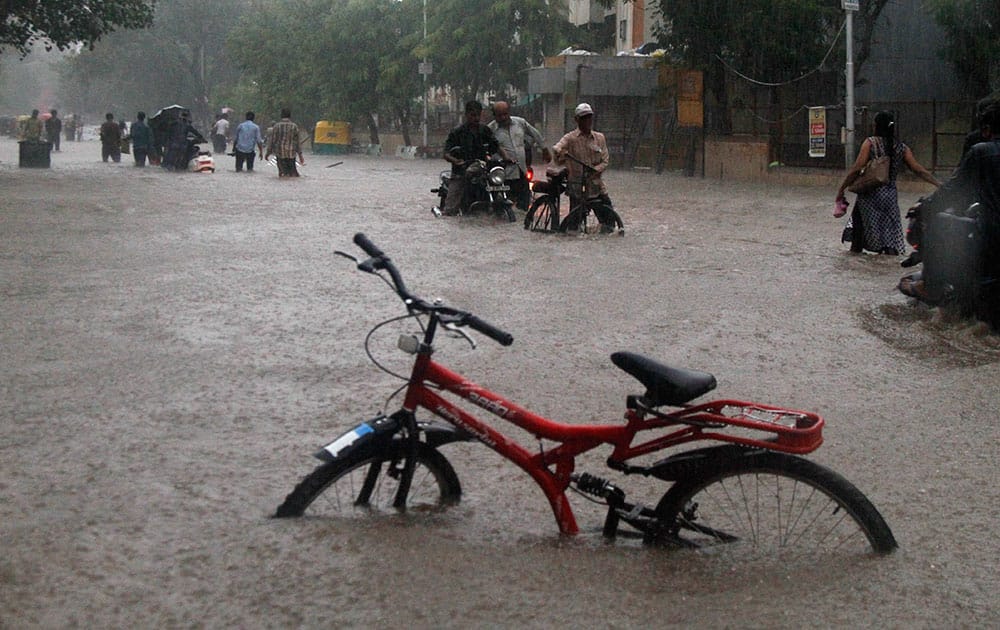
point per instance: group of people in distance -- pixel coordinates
(32, 128)
(509, 136)
(171, 140)
(248, 141)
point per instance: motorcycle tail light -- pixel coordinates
(530, 174)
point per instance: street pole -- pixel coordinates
(424, 73)
(849, 8)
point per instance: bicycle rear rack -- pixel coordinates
(791, 430)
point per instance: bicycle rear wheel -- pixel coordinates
(768, 503)
(365, 483)
(543, 215)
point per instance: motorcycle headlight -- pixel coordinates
(497, 175)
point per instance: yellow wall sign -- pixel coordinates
(817, 132)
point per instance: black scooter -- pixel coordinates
(953, 252)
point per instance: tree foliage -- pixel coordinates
(325, 59)
(181, 59)
(773, 40)
(65, 23)
(972, 29)
(358, 59)
(313, 56)
(494, 41)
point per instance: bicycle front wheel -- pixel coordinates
(366, 483)
(543, 215)
(772, 504)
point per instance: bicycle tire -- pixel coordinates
(542, 216)
(771, 504)
(616, 219)
(578, 219)
(575, 221)
(360, 484)
(506, 212)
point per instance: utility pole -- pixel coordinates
(850, 6)
(423, 72)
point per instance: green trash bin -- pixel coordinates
(32, 154)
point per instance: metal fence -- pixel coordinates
(934, 131)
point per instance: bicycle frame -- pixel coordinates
(552, 468)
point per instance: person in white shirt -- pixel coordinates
(220, 134)
(513, 133)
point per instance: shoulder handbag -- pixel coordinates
(874, 174)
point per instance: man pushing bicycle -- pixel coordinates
(584, 153)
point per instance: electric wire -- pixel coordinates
(789, 82)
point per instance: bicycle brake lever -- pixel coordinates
(456, 332)
(346, 255)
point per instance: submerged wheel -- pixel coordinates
(581, 218)
(616, 220)
(543, 215)
(770, 503)
(365, 483)
(575, 221)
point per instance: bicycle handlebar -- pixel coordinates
(575, 159)
(378, 260)
(364, 243)
(501, 337)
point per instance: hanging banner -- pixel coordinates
(817, 132)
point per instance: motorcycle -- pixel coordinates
(950, 246)
(486, 190)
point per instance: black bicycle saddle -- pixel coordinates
(665, 385)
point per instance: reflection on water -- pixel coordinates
(937, 335)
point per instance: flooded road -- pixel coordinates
(175, 347)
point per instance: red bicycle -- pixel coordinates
(752, 490)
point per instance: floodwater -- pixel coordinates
(176, 346)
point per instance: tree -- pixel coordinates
(370, 60)
(66, 23)
(760, 37)
(865, 22)
(274, 49)
(494, 41)
(358, 59)
(972, 29)
(775, 40)
(341, 60)
(180, 59)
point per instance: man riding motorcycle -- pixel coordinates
(471, 140)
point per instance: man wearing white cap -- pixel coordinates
(590, 148)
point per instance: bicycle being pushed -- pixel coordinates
(585, 213)
(750, 488)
